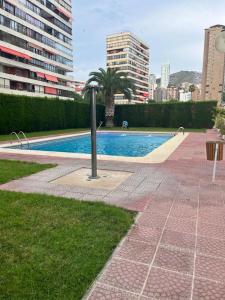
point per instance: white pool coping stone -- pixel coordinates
(159, 155)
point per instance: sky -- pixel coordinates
(174, 30)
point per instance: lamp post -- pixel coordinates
(94, 175)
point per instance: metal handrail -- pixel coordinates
(100, 125)
(180, 129)
(19, 140)
(26, 138)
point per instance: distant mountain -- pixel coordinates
(178, 78)
(185, 76)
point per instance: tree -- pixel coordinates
(111, 82)
(192, 89)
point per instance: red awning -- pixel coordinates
(64, 12)
(51, 78)
(39, 74)
(145, 94)
(14, 52)
(50, 90)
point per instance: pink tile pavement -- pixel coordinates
(178, 242)
(175, 250)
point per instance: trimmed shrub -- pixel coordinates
(37, 114)
(171, 115)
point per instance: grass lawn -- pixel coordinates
(8, 137)
(53, 248)
(76, 130)
(11, 169)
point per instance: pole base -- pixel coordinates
(93, 177)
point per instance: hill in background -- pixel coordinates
(178, 78)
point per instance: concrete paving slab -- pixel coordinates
(108, 180)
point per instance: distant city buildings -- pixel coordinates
(152, 86)
(178, 93)
(159, 94)
(213, 66)
(36, 48)
(165, 76)
(172, 93)
(78, 86)
(196, 94)
(127, 53)
(184, 96)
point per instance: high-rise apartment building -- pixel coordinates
(165, 76)
(36, 47)
(126, 53)
(213, 66)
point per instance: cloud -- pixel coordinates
(174, 30)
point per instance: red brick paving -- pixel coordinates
(185, 223)
(176, 249)
(164, 284)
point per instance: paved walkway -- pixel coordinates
(176, 248)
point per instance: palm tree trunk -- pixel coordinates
(109, 112)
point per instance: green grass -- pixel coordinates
(77, 130)
(8, 137)
(53, 248)
(11, 169)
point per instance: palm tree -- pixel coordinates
(112, 82)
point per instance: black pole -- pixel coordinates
(93, 135)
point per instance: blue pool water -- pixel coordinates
(116, 144)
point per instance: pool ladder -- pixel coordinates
(100, 125)
(19, 139)
(179, 130)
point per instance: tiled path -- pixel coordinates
(176, 249)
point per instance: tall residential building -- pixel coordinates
(165, 76)
(36, 47)
(152, 86)
(213, 66)
(128, 54)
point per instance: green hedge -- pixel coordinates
(171, 115)
(37, 114)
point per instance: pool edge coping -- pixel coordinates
(158, 155)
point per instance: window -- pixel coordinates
(8, 7)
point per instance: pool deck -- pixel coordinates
(176, 248)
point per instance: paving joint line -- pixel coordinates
(195, 252)
(157, 246)
(173, 271)
(119, 289)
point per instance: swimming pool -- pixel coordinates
(113, 144)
